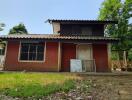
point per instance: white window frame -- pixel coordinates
(19, 60)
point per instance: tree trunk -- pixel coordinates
(120, 54)
(124, 58)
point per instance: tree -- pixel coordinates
(121, 11)
(110, 11)
(18, 29)
(2, 43)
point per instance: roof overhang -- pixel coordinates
(59, 38)
(82, 21)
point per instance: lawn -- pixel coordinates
(35, 84)
(64, 86)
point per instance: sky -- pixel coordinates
(34, 13)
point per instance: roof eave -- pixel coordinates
(64, 40)
(84, 21)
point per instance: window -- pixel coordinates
(32, 51)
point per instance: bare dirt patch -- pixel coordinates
(98, 88)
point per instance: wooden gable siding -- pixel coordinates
(50, 64)
(76, 29)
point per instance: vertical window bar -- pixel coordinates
(31, 54)
(36, 52)
(28, 50)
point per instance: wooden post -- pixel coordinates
(59, 56)
(124, 59)
(109, 56)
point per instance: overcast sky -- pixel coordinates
(34, 13)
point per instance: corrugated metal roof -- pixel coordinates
(82, 20)
(55, 36)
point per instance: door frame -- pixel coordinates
(91, 51)
(84, 44)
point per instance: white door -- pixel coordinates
(84, 53)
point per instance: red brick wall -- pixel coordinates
(100, 55)
(68, 52)
(50, 64)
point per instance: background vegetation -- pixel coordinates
(18, 29)
(120, 11)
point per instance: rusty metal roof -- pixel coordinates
(83, 20)
(55, 37)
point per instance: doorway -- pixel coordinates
(85, 54)
(68, 53)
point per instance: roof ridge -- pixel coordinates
(35, 34)
(79, 20)
(90, 20)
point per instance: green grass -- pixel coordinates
(35, 84)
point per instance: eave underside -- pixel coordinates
(64, 40)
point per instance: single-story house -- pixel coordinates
(75, 45)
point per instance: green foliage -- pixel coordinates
(18, 29)
(38, 90)
(124, 28)
(35, 85)
(10, 80)
(114, 56)
(110, 9)
(130, 55)
(67, 85)
(121, 11)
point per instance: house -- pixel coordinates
(76, 44)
